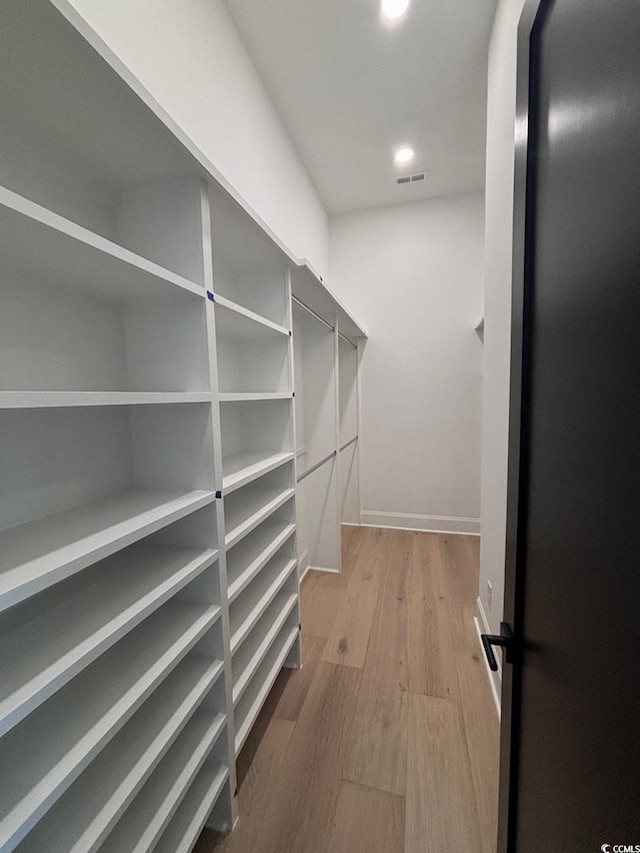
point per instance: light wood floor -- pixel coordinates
(387, 739)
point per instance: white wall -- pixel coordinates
(413, 276)
(497, 336)
(189, 56)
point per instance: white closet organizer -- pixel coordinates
(326, 367)
(118, 376)
(148, 531)
(114, 633)
(252, 303)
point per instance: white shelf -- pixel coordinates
(93, 707)
(250, 655)
(40, 553)
(253, 360)
(37, 242)
(48, 640)
(83, 817)
(246, 559)
(249, 268)
(246, 467)
(192, 813)
(242, 322)
(250, 507)
(249, 706)
(147, 817)
(61, 399)
(241, 397)
(249, 607)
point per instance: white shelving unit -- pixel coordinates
(39, 553)
(77, 620)
(248, 557)
(187, 823)
(173, 739)
(161, 656)
(249, 655)
(148, 458)
(257, 501)
(254, 351)
(258, 688)
(249, 606)
(115, 666)
(153, 810)
(242, 468)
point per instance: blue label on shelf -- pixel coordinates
(218, 494)
(210, 296)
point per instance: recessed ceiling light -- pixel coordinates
(404, 155)
(392, 9)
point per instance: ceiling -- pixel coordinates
(351, 89)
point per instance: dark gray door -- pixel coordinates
(571, 738)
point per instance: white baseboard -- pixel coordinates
(426, 523)
(303, 564)
(349, 524)
(323, 569)
(495, 678)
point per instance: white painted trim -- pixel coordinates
(303, 564)
(303, 561)
(322, 569)
(495, 678)
(426, 523)
(349, 524)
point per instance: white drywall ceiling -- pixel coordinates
(350, 89)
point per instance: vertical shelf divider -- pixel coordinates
(336, 476)
(294, 659)
(207, 269)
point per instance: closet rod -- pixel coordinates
(351, 441)
(313, 313)
(316, 466)
(347, 340)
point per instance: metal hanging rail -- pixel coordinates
(351, 441)
(316, 466)
(347, 340)
(313, 313)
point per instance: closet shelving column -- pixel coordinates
(255, 396)
(349, 417)
(114, 725)
(112, 652)
(327, 343)
(316, 425)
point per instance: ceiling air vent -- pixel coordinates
(410, 179)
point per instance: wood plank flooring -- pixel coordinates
(386, 741)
